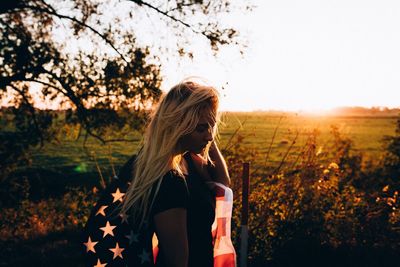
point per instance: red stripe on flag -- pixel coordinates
(224, 260)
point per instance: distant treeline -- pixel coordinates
(362, 111)
(340, 111)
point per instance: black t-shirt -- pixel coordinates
(173, 193)
(118, 241)
(200, 217)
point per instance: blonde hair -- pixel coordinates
(177, 115)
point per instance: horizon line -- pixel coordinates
(314, 110)
(299, 110)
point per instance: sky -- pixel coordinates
(301, 55)
(307, 55)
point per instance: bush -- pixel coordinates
(315, 212)
(34, 219)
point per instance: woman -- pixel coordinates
(164, 189)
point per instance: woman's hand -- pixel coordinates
(217, 173)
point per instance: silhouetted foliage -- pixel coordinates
(86, 58)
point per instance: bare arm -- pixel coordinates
(172, 235)
(220, 170)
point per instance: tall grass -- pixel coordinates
(309, 203)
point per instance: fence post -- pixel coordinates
(244, 231)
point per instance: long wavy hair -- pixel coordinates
(177, 115)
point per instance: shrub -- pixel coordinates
(315, 208)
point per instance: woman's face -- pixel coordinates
(197, 140)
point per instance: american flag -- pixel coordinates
(224, 251)
(111, 240)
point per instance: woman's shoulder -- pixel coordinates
(172, 193)
(173, 174)
(173, 179)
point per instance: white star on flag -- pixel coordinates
(132, 237)
(124, 217)
(117, 251)
(108, 229)
(117, 195)
(101, 210)
(99, 264)
(145, 257)
(90, 245)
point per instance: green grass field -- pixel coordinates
(367, 133)
(257, 130)
(49, 227)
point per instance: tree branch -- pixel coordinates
(182, 5)
(54, 13)
(165, 13)
(47, 84)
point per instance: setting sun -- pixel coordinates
(307, 55)
(200, 133)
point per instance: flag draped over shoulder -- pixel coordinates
(224, 251)
(109, 240)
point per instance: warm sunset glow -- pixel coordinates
(301, 56)
(308, 55)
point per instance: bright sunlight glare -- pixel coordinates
(309, 55)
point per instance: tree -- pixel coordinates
(105, 78)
